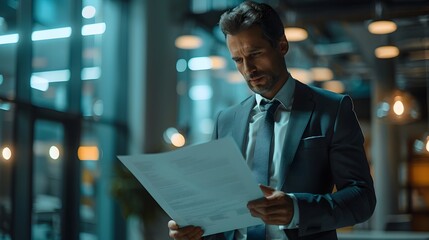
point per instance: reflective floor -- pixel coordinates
(380, 235)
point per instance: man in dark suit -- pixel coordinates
(317, 143)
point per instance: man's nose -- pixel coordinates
(249, 67)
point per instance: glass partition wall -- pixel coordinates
(58, 122)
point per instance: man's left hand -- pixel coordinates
(276, 208)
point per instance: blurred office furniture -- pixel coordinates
(4, 221)
(419, 192)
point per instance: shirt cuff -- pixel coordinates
(294, 223)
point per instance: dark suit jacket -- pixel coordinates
(324, 148)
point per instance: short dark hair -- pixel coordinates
(249, 14)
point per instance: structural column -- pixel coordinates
(385, 151)
(152, 87)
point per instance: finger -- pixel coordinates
(282, 218)
(264, 211)
(277, 210)
(274, 200)
(266, 190)
(173, 225)
(276, 206)
(182, 232)
(196, 234)
(257, 202)
(277, 195)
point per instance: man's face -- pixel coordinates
(261, 64)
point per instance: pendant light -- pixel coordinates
(188, 40)
(293, 32)
(399, 108)
(387, 51)
(381, 25)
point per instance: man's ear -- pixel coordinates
(283, 45)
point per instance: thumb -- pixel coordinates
(172, 225)
(268, 191)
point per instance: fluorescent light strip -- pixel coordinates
(5, 106)
(39, 83)
(64, 74)
(55, 33)
(10, 38)
(54, 76)
(91, 73)
(93, 29)
(200, 63)
(41, 80)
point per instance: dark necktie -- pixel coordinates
(262, 158)
(263, 143)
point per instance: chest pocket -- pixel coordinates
(313, 142)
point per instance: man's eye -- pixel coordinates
(238, 60)
(254, 54)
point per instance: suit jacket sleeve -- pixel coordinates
(354, 201)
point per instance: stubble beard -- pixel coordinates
(265, 88)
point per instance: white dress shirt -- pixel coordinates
(281, 118)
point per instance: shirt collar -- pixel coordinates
(284, 96)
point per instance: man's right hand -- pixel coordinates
(184, 233)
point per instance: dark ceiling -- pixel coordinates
(331, 23)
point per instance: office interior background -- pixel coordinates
(84, 81)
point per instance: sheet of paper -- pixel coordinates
(205, 185)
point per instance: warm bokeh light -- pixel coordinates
(188, 42)
(301, 74)
(322, 74)
(384, 52)
(295, 34)
(334, 86)
(235, 77)
(382, 27)
(398, 107)
(6, 153)
(419, 178)
(218, 62)
(54, 152)
(88, 153)
(168, 133)
(419, 173)
(178, 140)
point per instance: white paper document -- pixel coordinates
(206, 185)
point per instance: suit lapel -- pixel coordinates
(241, 123)
(302, 109)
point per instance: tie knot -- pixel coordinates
(269, 106)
